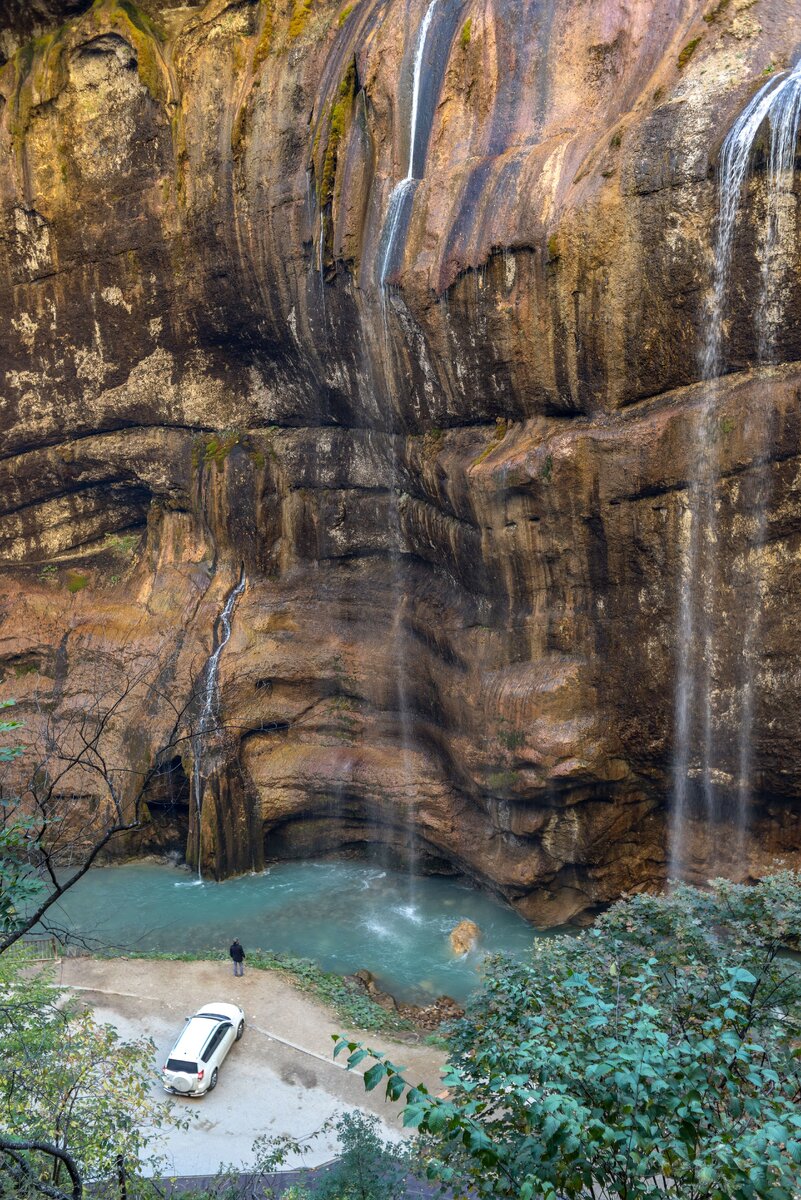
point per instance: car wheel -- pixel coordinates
(240, 1030)
(213, 1080)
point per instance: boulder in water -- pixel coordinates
(464, 936)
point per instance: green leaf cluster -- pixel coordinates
(656, 1055)
(367, 1168)
(67, 1081)
(19, 884)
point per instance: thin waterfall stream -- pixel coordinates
(398, 212)
(403, 192)
(778, 104)
(208, 709)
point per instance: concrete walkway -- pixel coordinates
(279, 1079)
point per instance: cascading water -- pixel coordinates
(403, 193)
(397, 219)
(208, 708)
(780, 218)
(778, 103)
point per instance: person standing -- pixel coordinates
(238, 956)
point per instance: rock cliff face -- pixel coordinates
(461, 497)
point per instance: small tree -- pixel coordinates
(368, 1167)
(656, 1055)
(47, 841)
(19, 888)
(75, 1100)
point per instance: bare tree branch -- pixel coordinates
(15, 1149)
(80, 746)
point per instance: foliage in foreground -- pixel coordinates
(656, 1055)
(368, 1168)
(18, 887)
(75, 1100)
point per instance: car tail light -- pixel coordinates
(200, 1074)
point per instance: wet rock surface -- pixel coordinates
(464, 936)
(427, 1017)
(461, 499)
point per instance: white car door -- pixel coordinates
(226, 1042)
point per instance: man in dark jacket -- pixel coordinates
(238, 955)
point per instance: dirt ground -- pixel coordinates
(280, 1078)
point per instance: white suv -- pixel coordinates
(193, 1063)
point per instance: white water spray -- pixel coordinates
(403, 192)
(401, 198)
(208, 707)
(778, 103)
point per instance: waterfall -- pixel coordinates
(392, 236)
(402, 690)
(419, 54)
(778, 102)
(402, 194)
(208, 706)
(781, 206)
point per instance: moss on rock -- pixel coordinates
(687, 52)
(340, 113)
(299, 19)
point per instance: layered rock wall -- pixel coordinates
(461, 500)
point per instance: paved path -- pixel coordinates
(280, 1079)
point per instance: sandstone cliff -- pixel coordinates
(460, 498)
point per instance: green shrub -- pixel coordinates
(498, 434)
(500, 781)
(368, 1168)
(215, 448)
(512, 739)
(716, 11)
(464, 37)
(655, 1055)
(70, 1086)
(432, 442)
(48, 573)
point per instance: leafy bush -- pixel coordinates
(19, 886)
(368, 1168)
(656, 1055)
(73, 1096)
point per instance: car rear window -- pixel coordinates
(180, 1064)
